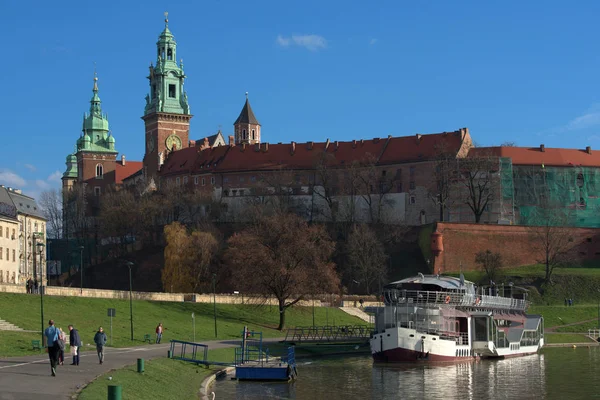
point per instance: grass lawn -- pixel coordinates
(87, 314)
(162, 378)
(566, 338)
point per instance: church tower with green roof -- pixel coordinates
(93, 162)
(167, 112)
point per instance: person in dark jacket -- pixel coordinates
(75, 343)
(52, 335)
(100, 340)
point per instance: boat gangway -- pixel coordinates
(196, 353)
(328, 334)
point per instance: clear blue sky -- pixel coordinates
(512, 71)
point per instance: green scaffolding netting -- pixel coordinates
(567, 195)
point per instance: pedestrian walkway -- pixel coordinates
(357, 312)
(28, 377)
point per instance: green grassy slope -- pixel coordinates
(88, 314)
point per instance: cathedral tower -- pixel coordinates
(167, 112)
(246, 127)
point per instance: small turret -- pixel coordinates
(71, 171)
(246, 127)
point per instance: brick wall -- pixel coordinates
(515, 243)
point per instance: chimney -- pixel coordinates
(265, 147)
(122, 159)
(542, 148)
(327, 144)
(337, 145)
(192, 143)
(257, 147)
(588, 150)
(362, 141)
(389, 136)
(309, 145)
(293, 150)
(419, 136)
(17, 191)
(243, 147)
(376, 140)
(231, 140)
(354, 144)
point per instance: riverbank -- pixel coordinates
(87, 314)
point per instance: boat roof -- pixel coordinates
(446, 282)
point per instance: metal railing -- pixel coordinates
(189, 351)
(594, 334)
(348, 333)
(430, 298)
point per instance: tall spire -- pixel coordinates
(95, 107)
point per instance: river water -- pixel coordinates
(556, 373)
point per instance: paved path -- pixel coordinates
(28, 377)
(359, 313)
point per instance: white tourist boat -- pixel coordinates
(442, 318)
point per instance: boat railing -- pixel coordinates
(437, 298)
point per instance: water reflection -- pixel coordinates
(555, 374)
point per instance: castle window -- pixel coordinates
(97, 191)
(226, 193)
(185, 180)
(243, 134)
(203, 181)
(413, 200)
(212, 180)
(253, 137)
(412, 185)
(169, 54)
(195, 180)
(172, 91)
(99, 171)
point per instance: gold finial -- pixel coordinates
(166, 18)
(246, 95)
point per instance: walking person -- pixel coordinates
(159, 332)
(100, 340)
(52, 335)
(61, 353)
(75, 343)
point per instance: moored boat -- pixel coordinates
(441, 318)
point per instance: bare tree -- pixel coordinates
(120, 220)
(478, 177)
(442, 186)
(366, 257)
(552, 240)
(282, 256)
(51, 204)
(489, 262)
(327, 186)
(372, 185)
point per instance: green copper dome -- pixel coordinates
(71, 171)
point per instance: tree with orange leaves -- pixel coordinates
(282, 256)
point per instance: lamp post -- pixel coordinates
(40, 246)
(81, 267)
(214, 277)
(130, 264)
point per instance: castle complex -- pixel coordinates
(388, 179)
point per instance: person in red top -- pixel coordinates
(159, 332)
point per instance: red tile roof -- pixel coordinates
(548, 157)
(302, 156)
(124, 171)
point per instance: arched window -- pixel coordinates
(99, 171)
(253, 137)
(243, 134)
(169, 54)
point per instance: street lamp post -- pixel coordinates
(40, 246)
(214, 277)
(81, 267)
(130, 264)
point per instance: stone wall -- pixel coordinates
(461, 241)
(151, 296)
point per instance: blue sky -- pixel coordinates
(510, 71)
